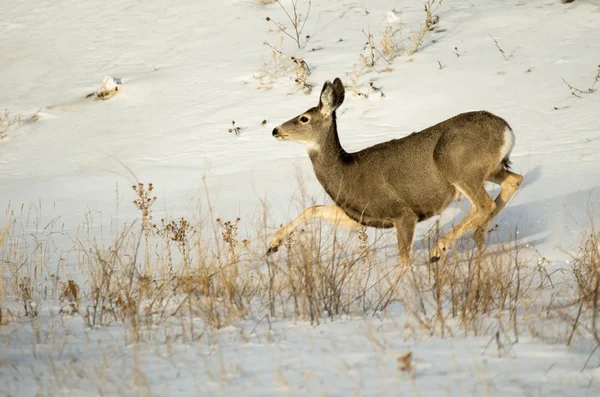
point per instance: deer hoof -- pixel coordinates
(274, 246)
(437, 252)
(272, 250)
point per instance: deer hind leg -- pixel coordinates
(330, 213)
(509, 183)
(482, 206)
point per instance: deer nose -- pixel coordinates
(275, 131)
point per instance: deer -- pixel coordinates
(401, 182)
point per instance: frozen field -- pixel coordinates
(190, 68)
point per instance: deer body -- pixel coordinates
(404, 181)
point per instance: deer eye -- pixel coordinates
(304, 119)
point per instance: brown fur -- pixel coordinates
(404, 181)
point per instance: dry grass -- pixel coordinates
(282, 64)
(431, 21)
(353, 83)
(377, 55)
(389, 42)
(389, 49)
(203, 275)
(2, 266)
(147, 274)
(470, 289)
(272, 69)
(302, 71)
(279, 63)
(8, 122)
(577, 92)
(585, 270)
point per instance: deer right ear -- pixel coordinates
(338, 87)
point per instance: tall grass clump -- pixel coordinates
(211, 272)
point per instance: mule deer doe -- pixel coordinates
(404, 181)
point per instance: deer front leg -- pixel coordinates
(405, 232)
(330, 213)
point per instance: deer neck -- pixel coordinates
(328, 151)
(328, 158)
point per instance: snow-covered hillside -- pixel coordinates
(190, 68)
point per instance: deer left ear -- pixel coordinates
(338, 87)
(332, 96)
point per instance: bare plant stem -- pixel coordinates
(498, 47)
(575, 323)
(574, 90)
(590, 357)
(297, 22)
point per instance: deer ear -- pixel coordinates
(327, 99)
(338, 86)
(332, 96)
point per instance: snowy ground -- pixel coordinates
(187, 71)
(356, 356)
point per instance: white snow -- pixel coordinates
(393, 16)
(188, 69)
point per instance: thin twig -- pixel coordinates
(281, 29)
(575, 324)
(304, 83)
(273, 48)
(499, 344)
(596, 79)
(574, 90)
(373, 47)
(498, 46)
(306, 17)
(302, 63)
(590, 357)
(259, 321)
(488, 344)
(376, 89)
(284, 10)
(295, 21)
